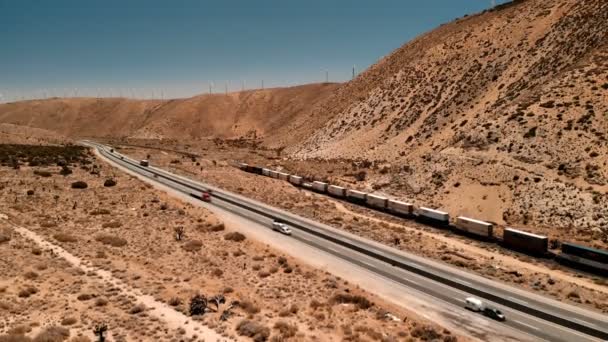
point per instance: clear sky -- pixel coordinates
(134, 47)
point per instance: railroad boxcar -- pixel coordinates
(319, 186)
(525, 242)
(356, 196)
(433, 216)
(273, 174)
(374, 201)
(255, 169)
(295, 180)
(307, 185)
(266, 172)
(585, 257)
(401, 208)
(244, 166)
(475, 227)
(336, 191)
(283, 176)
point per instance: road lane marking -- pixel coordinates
(583, 322)
(463, 281)
(518, 300)
(524, 324)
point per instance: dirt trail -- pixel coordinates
(511, 262)
(173, 319)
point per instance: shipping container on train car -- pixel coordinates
(525, 242)
(295, 180)
(433, 216)
(475, 227)
(401, 208)
(337, 191)
(274, 174)
(356, 196)
(585, 257)
(319, 186)
(266, 172)
(307, 185)
(255, 169)
(376, 201)
(283, 176)
(244, 166)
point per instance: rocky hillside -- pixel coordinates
(502, 115)
(255, 113)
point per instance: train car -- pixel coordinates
(401, 208)
(336, 191)
(475, 227)
(266, 172)
(284, 176)
(585, 257)
(255, 169)
(378, 202)
(525, 242)
(244, 166)
(356, 196)
(433, 216)
(307, 185)
(273, 174)
(319, 186)
(295, 180)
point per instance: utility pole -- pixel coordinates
(326, 76)
(226, 87)
(353, 72)
(243, 85)
(262, 84)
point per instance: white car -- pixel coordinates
(281, 227)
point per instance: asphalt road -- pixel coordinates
(536, 315)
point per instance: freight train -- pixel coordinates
(515, 239)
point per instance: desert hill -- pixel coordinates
(243, 114)
(502, 115)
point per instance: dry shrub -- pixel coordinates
(48, 224)
(4, 237)
(100, 212)
(28, 291)
(249, 307)
(193, 246)
(291, 310)
(69, 321)
(42, 173)
(84, 296)
(346, 298)
(264, 274)
(30, 275)
(101, 302)
(217, 272)
(137, 309)
(425, 333)
(19, 330)
(175, 301)
(63, 237)
(53, 334)
(217, 227)
(112, 224)
(111, 240)
(234, 236)
(287, 330)
(14, 338)
(255, 330)
(109, 182)
(79, 185)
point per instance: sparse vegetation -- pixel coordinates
(111, 240)
(79, 185)
(234, 236)
(255, 330)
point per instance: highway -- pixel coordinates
(533, 314)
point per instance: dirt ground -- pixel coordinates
(214, 163)
(128, 230)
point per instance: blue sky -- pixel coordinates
(178, 47)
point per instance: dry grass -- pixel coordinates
(255, 330)
(346, 298)
(63, 237)
(193, 246)
(234, 236)
(111, 240)
(52, 334)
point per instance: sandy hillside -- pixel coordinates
(251, 114)
(501, 115)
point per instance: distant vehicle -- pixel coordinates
(144, 162)
(206, 197)
(112, 150)
(474, 304)
(281, 227)
(122, 158)
(494, 314)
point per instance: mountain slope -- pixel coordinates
(501, 115)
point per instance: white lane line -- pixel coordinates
(583, 322)
(524, 324)
(463, 281)
(415, 265)
(517, 300)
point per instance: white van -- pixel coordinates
(474, 304)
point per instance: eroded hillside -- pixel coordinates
(502, 115)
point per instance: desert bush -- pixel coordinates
(217, 272)
(111, 224)
(217, 227)
(36, 251)
(52, 334)
(30, 192)
(255, 330)
(100, 212)
(234, 236)
(198, 305)
(42, 173)
(63, 237)
(287, 330)
(14, 338)
(139, 308)
(79, 185)
(101, 302)
(291, 310)
(193, 246)
(263, 274)
(65, 171)
(425, 333)
(111, 240)
(179, 233)
(109, 182)
(19, 330)
(28, 291)
(345, 298)
(249, 307)
(84, 297)
(69, 321)
(4, 237)
(30, 275)
(175, 301)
